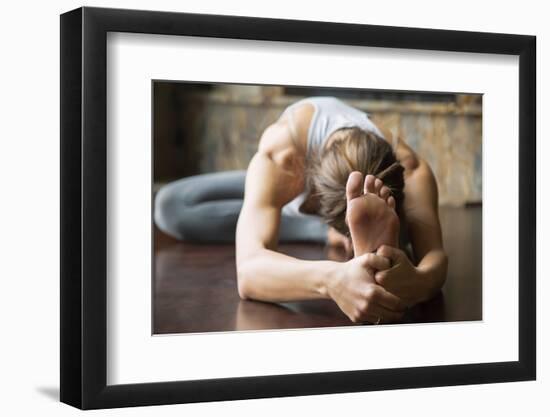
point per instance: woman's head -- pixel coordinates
(348, 150)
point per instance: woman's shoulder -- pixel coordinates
(295, 121)
(403, 152)
(407, 156)
(278, 145)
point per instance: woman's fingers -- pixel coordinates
(381, 315)
(387, 300)
(375, 313)
(378, 305)
(390, 252)
(376, 261)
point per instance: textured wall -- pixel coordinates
(219, 129)
(450, 140)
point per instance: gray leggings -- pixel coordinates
(205, 208)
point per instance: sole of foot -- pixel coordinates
(371, 215)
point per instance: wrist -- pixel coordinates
(331, 276)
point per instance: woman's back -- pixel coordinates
(327, 116)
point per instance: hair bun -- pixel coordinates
(395, 167)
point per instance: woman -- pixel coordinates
(323, 171)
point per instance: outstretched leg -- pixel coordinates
(371, 215)
(205, 208)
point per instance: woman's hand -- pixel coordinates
(402, 279)
(358, 295)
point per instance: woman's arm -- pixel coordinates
(422, 214)
(273, 179)
(418, 283)
(262, 272)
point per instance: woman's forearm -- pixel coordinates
(433, 271)
(275, 277)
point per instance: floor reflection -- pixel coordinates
(195, 286)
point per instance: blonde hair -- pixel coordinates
(351, 149)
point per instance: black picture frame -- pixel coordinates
(84, 223)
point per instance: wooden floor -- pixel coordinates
(195, 286)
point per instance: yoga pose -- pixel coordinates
(323, 172)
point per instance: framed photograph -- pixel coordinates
(257, 208)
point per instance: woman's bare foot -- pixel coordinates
(371, 215)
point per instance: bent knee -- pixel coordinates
(169, 210)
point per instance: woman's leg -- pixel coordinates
(302, 229)
(205, 208)
(201, 208)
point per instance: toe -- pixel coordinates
(391, 202)
(378, 186)
(353, 186)
(369, 183)
(384, 192)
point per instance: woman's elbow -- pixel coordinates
(243, 281)
(242, 288)
(249, 268)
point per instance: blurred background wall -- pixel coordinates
(201, 128)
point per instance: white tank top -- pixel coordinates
(329, 115)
